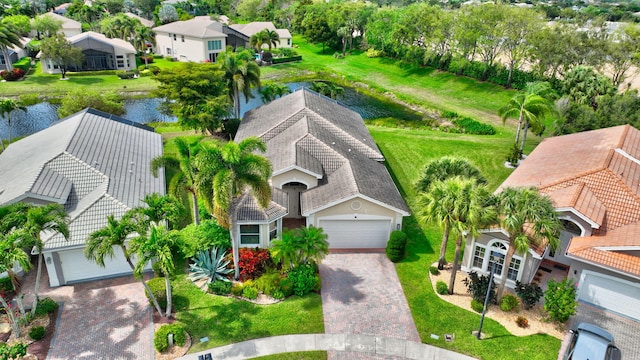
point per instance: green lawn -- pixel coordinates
(225, 320)
(307, 355)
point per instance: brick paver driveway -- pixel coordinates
(361, 294)
(625, 331)
(104, 319)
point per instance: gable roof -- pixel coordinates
(66, 22)
(143, 21)
(199, 27)
(313, 133)
(94, 163)
(257, 26)
(94, 36)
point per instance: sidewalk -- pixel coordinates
(338, 342)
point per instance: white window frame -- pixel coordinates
(243, 234)
(486, 265)
(273, 230)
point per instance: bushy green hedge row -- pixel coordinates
(91, 73)
(471, 126)
(287, 59)
(159, 290)
(161, 341)
(24, 64)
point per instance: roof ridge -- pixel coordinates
(576, 177)
(338, 130)
(623, 184)
(577, 194)
(623, 138)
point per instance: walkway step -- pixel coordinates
(338, 342)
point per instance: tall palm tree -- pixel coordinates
(271, 92)
(184, 181)
(39, 219)
(11, 253)
(9, 37)
(440, 170)
(160, 208)
(529, 218)
(101, 245)
(158, 245)
(257, 40)
(141, 36)
(241, 74)
(7, 107)
(271, 38)
(13, 216)
(227, 170)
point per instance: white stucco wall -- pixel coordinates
(191, 49)
(294, 175)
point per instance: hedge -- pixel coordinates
(287, 59)
(161, 341)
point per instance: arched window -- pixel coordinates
(570, 226)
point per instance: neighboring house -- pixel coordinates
(327, 172)
(255, 27)
(69, 27)
(61, 9)
(15, 53)
(94, 164)
(100, 53)
(143, 21)
(198, 39)
(593, 179)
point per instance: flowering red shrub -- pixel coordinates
(13, 75)
(253, 262)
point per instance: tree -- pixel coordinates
(226, 171)
(623, 52)
(110, 102)
(46, 25)
(159, 245)
(314, 25)
(9, 37)
(101, 245)
(20, 23)
(241, 74)
(7, 107)
(519, 24)
(300, 246)
(529, 218)
(142, 36)
(39, 219)
(270, 92)
(146, 7)
(11, 253)
(112, 6)
(328, 89)
(583, 86)
(61, 52)
(167, 14)
(159, 208)
(272, 38)
(184, 181)
(257, 40)
(196, 94)
(119, 26)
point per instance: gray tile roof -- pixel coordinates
(94, 163)
(248, 209)
(198, 27)
(310, 131)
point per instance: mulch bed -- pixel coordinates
(40, 348)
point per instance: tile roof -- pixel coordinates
(596, 173)
(257, 26)
(119, 43)
(66, 22)
(143, 21)
(86, 160)
(248, 209)
(312, 132)
(199, 27)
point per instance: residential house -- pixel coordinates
(100, 53)
(69, 27)
(197, 39)
(94, 164)
(15, 53)
(143, 21)
(61, 9)
(327, 172)
(255, 27)
(593, 179)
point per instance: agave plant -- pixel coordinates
(210, 265)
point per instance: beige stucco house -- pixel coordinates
(257, 26)
(69, 27)
(197, 39)
(327, 172)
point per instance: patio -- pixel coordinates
(550, 270)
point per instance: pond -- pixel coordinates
(41, 116)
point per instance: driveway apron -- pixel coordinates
(361, 294)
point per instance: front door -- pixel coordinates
(293, 190)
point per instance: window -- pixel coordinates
(499, 264)
(249, 234)
(288, 41)
(182, 37)
(120, 61)
(514, 267)
(478, 257)
(273, 230)
(168, 51)
(174, 37)
(214, 45)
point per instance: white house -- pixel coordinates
(255, 27)
(198, 39)
(69, 28)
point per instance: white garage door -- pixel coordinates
(356, 234)
(76, 267)
(611, 293)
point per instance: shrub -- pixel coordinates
(530, 294)
(124, 75)
(477, 286)
(442, 288)
(204, 236)
(237, 289)
(267, 56)
(253, 262)
(522, 322)
(45, 306)
(472, 126)
(5, 284)
(159, 290)
(210, 265)
(434, 270)
(477, 306)
(154, 69)
(373, 53)
(169, 58)
(145, 72)
(15, 351)
(250, 292)
(514, 155)
(157, 269)
(220, 287)
(560, 300)
(149, 59)
(268, 283)
(286, 286)
(286, 59)
(278, 294)
(37, 332)
(509, 302)
(12, 75)
(449, 114)
(304, 279)
(396, 245)
(161, 341)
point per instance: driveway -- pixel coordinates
(624, 330)
(103, 319)
(361, 294)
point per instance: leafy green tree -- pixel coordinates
(7, 108)
(272, 38)
(314, 25)
(167, 14)
(241, 74)
(141, 36)
(623, 52)
(270, 92)
(101, 245)
(9, 37)
(78, 99)
(11, 253)
(119, 26)
(529, 218)
(61, 52)
(448, 167)
(159, 208)
(583, 86)
(206, 235)
(146, 7)
(327, 89)
(519, 24)
(112, 6)
(46, 25)
(21, 23)
(300, 246)
(197, 94)
(560, 300)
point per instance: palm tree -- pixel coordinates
(271, 92)
(529, 218)
(160, 208)
(39, 219)
(13, 216)
(184, 181)
(241, 74)
(300, 246)
(440, 170)
(101, 245)
(11, 253)
(141, 36)
(257, 40)
(158, 246)
(271, 38)
(9, 37)
(227, 170)
(7, 107)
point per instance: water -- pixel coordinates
(41, 116)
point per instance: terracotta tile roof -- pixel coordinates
(579, 197)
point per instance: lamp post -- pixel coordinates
(493, 259)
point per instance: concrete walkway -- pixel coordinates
(369, 346)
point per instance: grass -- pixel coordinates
(307, 355)
(226, 320)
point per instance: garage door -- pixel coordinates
(76, 267)
(611, 293)
(356, 234)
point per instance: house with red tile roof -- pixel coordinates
(593, 179)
